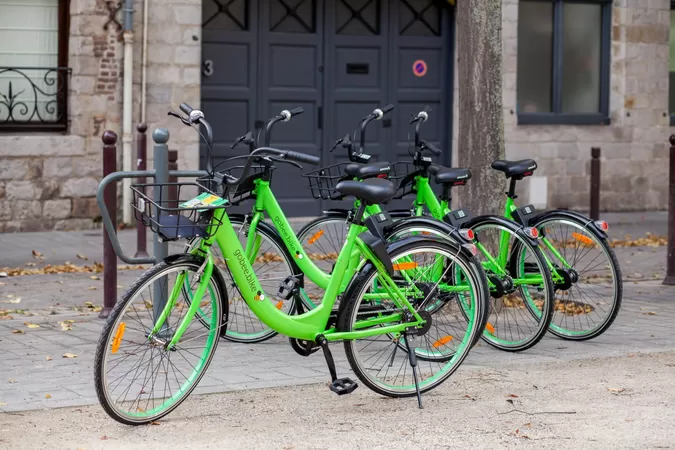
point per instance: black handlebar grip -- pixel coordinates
(303, 158)
(296, 111)
(432, 148)
(187, 109)
(387, 109)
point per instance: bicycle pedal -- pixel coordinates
(288, 288)
(343, 386)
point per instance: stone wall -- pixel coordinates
(634, 147)
(48, 180)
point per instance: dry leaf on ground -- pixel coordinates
(154, 422)
(3, 404)
(36, 254)
(82, 257)
(616, 390)
(66, 267)
(48, 358)
(48, 395)
(17, 331)
(512, 395)
(69, 355)
(31, 325)
(65, 326)
(650, 313)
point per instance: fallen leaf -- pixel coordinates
(616, 390)
(30, 264)
(3, 274)
(119, 286)
(36, 253)
(512, 395)
(650, 313)
(65, 326)
(154, 422)
(94, 277)
(31, 325)
(630, 355)
(3, 404)
(48, 358)
(11, 381)
(92, 288)
(69, 355)
(527, 425)
(2, 283)
(82, 257)
(13, 300)
(48, 396)
(104, 438)
(17, 331)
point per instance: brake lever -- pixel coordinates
(293, 163)
(182, 119)
(338, 142)
(238, 141)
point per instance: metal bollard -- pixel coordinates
(160, 154)
(142, 154)
(595, 184)
(173, 190)
(110, 197)
(670, 258)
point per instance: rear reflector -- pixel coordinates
(604, 226)
(405, 266)
(467, 234)
(532, 232)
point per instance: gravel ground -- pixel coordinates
(595, 403)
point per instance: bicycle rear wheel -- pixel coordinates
(138, 380)
(381, 361)
(588, 298)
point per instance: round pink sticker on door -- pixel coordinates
(419, 68)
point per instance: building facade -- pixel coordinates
(576, 75)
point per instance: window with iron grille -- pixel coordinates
(564, 61)
(33, 65)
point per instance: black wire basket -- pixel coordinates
(403, 174)
(166, 210)
(322, 181)
(244, 190)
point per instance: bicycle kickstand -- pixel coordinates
(410, 342)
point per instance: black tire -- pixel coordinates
(100, 363)
(352, 302)
(560, 325)
(538, 326)
(290, 268)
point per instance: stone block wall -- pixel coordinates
(635, 144)
(49, 180)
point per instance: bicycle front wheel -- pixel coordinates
(521, 291)
(271, 263)
(137, 378)
(589, 288)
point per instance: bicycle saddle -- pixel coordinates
(371, 191)
(363, 171)
(450, 175)
(521, 168)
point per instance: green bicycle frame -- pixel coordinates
(306, 326)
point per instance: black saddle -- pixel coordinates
(450, 175)
(518, 169)
(363, 171)
(372, 191)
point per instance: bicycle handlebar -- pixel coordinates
(285, 116)
(269, 151)
(424, 145)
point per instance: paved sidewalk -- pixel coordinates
(34, 373)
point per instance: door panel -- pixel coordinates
(291, 55)
(229, 72)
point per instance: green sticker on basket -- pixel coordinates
(204, 199)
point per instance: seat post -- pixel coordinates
(359, 212)
(512, 189)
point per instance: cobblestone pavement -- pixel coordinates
(34, 373)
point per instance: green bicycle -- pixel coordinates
(275, 253)
(585, 273)
(152, 352)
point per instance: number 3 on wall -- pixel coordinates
(207, 68)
